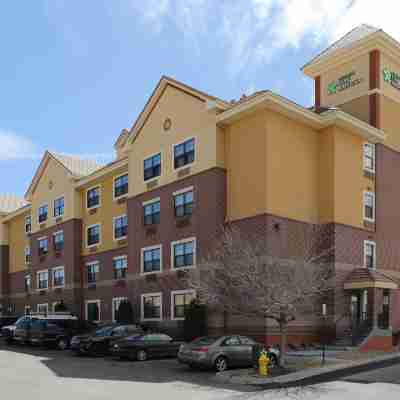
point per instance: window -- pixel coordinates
(43, 212)
(120, 227)
(58, 277)
(180, 300)
(42, 280)
(58, 241)
(184, 153)
(120, 186)
(59, 207)
(93, 197)
(28, 282)
(27, 310)
(28, 257)
(369, 254)
(28, 224)
(116, 302)
(151, 306)
(120, 266)
(369, 157)
(42, 308)
(183, 203)
(92, 272)
(183, 253)
(369, 206)
(43, 246)
(152, 167)
(93, 310)
(152, 212)
(93, 235)
(151, 259)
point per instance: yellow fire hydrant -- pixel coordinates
(263, 363)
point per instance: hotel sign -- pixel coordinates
(392, 77)
(343, 83)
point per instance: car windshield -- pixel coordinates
(205, 341)
(105, 331)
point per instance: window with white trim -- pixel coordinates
(120, 186)
(58, 207)
(93, 197)
(120, 267)
(28, 224)
(152, 167)
(369, 157)
(183, 203)
(184, 153)
(43, 246)
(42, 308)
(58, 277)
(151, 213)
(93, 235)
(151, 259)
(369, 206)
(116, 302)
(151, 306)
(93, 270)
(43, 213)
(180, 300)
(42, 278)
(120, 227)
(184, 254)
(58, 241)
(28, 282)
(28, 256)
(369, 254)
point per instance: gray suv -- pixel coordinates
(223, 352)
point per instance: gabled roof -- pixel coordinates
(10, 203)
(355, 35)
(76, 167)
(164, 82)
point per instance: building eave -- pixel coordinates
(9, 216)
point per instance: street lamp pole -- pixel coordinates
(323, 333)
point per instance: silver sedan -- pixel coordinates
(222, 352)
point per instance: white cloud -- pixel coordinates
(16, 147)
(253, 32)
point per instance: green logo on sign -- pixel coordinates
(391, 77)
(387, 75)
(344, 82)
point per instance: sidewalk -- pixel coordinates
(308, 376)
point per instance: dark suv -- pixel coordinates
(53, 332)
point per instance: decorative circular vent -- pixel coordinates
(167, 124)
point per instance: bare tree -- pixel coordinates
(243, 277)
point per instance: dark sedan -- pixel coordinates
(99, 342)
(143, 347)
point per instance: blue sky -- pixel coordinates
(74, 73)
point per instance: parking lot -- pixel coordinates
(40, 374)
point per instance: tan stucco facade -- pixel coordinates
(17, 240)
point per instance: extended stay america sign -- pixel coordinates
(391, 77)
(343, 83)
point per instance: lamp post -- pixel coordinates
(323, 333)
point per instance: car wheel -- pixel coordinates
(62, 344)
(221, 364)
(141, 355)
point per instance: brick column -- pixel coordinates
(374, 83)
(317, 93)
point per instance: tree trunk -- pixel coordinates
(283, 332)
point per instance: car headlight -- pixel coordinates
(116, 346)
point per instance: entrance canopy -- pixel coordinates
(365, 278)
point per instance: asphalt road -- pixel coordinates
(382, 375)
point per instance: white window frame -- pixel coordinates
(26, 217)
(373, 244)
(113, 225)
(42, 305)
(366, 168)
(161, 172)
(37, 279)
(28, 251)
(43, 238)
(142, 297)
(40, 206)
(142, 251)
(187, 240)
(185, 190)
(177, 292)
(86, 198)
(88, 264)
(149, 202)
(55, 234)
(195, 153)
(98, 302)
(86, 236)
(123, 257)
(59, 198)
(61, 268)
(113, 187)
(114, 300)
(365, 193)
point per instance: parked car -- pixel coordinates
(222, 352)
(59, 332)
(23, 328)
(6, 322)
(143, 347)
(8, 331)
(98, 343)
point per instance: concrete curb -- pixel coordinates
(311, 376)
